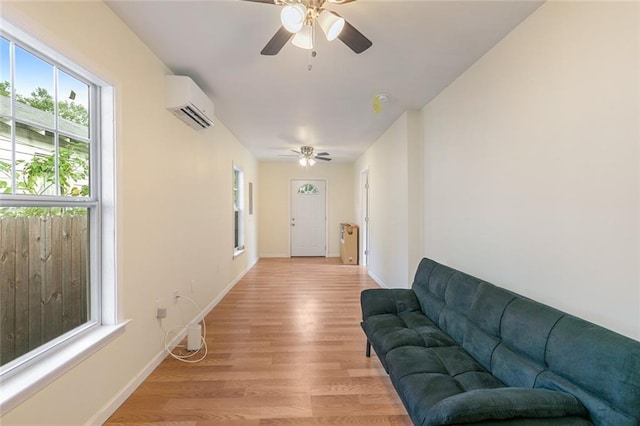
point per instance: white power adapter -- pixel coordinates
(194, 337)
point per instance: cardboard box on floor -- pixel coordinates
(349, 243)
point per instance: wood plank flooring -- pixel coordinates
(285, 348)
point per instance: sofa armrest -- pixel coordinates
(503, 403)
(378, 301)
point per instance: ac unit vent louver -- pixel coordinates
(191, 113)
(188, 102)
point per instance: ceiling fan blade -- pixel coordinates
(322, 154)
(297, 152)
(322, 158)
(277, 42)
(354, 38)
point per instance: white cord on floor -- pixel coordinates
(185, 358)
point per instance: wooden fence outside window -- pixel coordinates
(43, 280)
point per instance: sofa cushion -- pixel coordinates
(527, 344)
(384, 339)
(600, 411)
(423, 376)
(508, 334)
(445, 295)
(604, 365)
(375, 301)
(503, 403)
(483, 322)
(386, 332)
(451, 360)
(392, 318)
(525, 327)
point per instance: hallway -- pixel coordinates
(285, 348)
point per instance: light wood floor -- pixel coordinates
(285, 348)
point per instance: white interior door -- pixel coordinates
(308, 218)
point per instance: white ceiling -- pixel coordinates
(274, 103)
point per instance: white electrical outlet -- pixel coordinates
(176, 296)
(161, 313)
(161, 310)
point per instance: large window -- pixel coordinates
(238, 210)
(52, 194)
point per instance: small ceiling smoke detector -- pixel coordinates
(378, 100)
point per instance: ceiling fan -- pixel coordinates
(307, 157)
(298, 19)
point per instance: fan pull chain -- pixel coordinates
(312, 52)
(311, 56)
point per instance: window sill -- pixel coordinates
(238, 252)
(17, 388)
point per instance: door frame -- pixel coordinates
(326, 211)
(365, 213)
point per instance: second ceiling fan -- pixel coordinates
(307, 155)
(299, 17)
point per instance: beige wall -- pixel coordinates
(274, 199)
(395, 201)
(174, 213)
(527, 170)
(532, 163)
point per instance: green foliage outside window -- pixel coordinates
(38, 174)
(5, 89)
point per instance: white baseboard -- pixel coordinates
(376, 279)
(275, 255)
(224, 292)
(287, 255)
(103, 415)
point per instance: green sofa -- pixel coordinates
(462, 351)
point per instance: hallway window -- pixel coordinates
(57, 245)
(238, 210)
(49, 199)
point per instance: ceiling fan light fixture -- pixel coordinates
(304, 38)
(331, 24)
(293, 16)
(311, 161)
(303, 161)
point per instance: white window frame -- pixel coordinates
(26, 375)
(240, 247)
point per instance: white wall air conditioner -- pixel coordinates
(188, 102)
